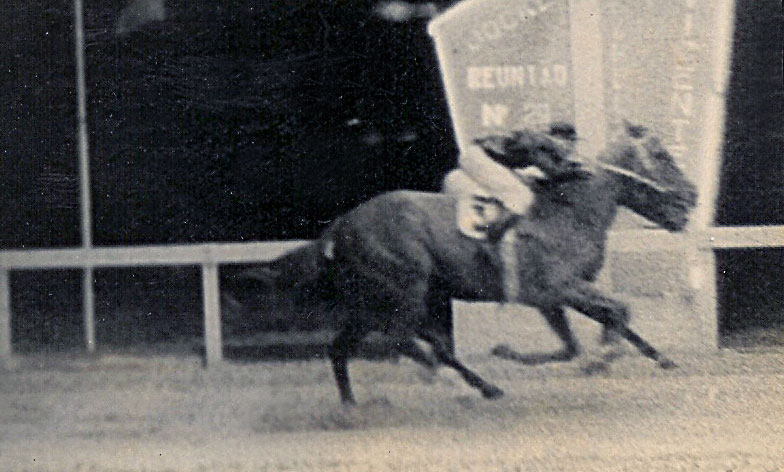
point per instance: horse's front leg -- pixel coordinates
(612, 314)
(409, 348)
(556, 318)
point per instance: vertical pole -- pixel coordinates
(587, 45)
(588, 70)
(88, 308)
(714, 116)
(5, 320)
(703, 271)
(88, 304)
(702, 279)
(212, 321)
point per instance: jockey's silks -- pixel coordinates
(499, 181)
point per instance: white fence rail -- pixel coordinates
(208, 256)
(211, 256)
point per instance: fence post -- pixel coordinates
(6, 352)
(704, 270)
(88, 309)
(212, 321)
(701, 261)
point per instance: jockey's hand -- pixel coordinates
(576, 173)
(530, 174)
(497, 229)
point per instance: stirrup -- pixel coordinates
(496, 230)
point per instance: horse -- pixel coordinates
(394, 263)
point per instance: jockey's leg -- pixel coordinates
(457, 182)
(503, 236)
(474, 210)
(479, 218)
(510, 274)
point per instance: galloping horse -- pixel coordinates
(394, 262)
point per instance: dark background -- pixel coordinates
(251, 120)
(227, 121)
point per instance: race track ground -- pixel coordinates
(717, 412)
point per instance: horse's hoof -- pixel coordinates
(503, 351)
(612, 355)
(667, 364)
(348, 403)
(563, 355)
(492, 392)
(428, 375)
(595, 367)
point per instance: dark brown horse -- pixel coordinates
(394, 263)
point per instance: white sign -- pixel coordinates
(506, 65)
(509, 64)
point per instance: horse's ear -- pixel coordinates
(659, 151)
(493, 145)
(635, 131)
(563, 130)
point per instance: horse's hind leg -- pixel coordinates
(439, 308)
(556, 318)
(342, 347)
(409, 348)
(442, 351)
(613, 314)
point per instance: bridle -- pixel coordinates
(643, 153)
(632, 175)
(612, 168)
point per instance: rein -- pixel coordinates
(613, 169)
(616, 170)
(627, 173)
(632, 175)
(642, 152)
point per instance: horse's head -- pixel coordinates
(549, 150)
(651, 183)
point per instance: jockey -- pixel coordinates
(491, 196)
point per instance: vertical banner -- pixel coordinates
(664, 67)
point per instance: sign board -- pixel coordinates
(509, 64)
(505, 65)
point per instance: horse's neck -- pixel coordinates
(592, 202)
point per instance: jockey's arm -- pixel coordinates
(500, 181)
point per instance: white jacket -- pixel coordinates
(483, 176)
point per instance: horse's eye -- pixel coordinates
(555, 156)
(637, 131)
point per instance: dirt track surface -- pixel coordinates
(716, 413)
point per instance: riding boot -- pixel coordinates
(507, 255)
(502, 235)
(498, 229)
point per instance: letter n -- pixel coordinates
(494, 115)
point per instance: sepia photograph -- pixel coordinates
(392, 235)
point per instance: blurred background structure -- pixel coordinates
(249, 120)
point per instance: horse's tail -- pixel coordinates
(303, 267)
